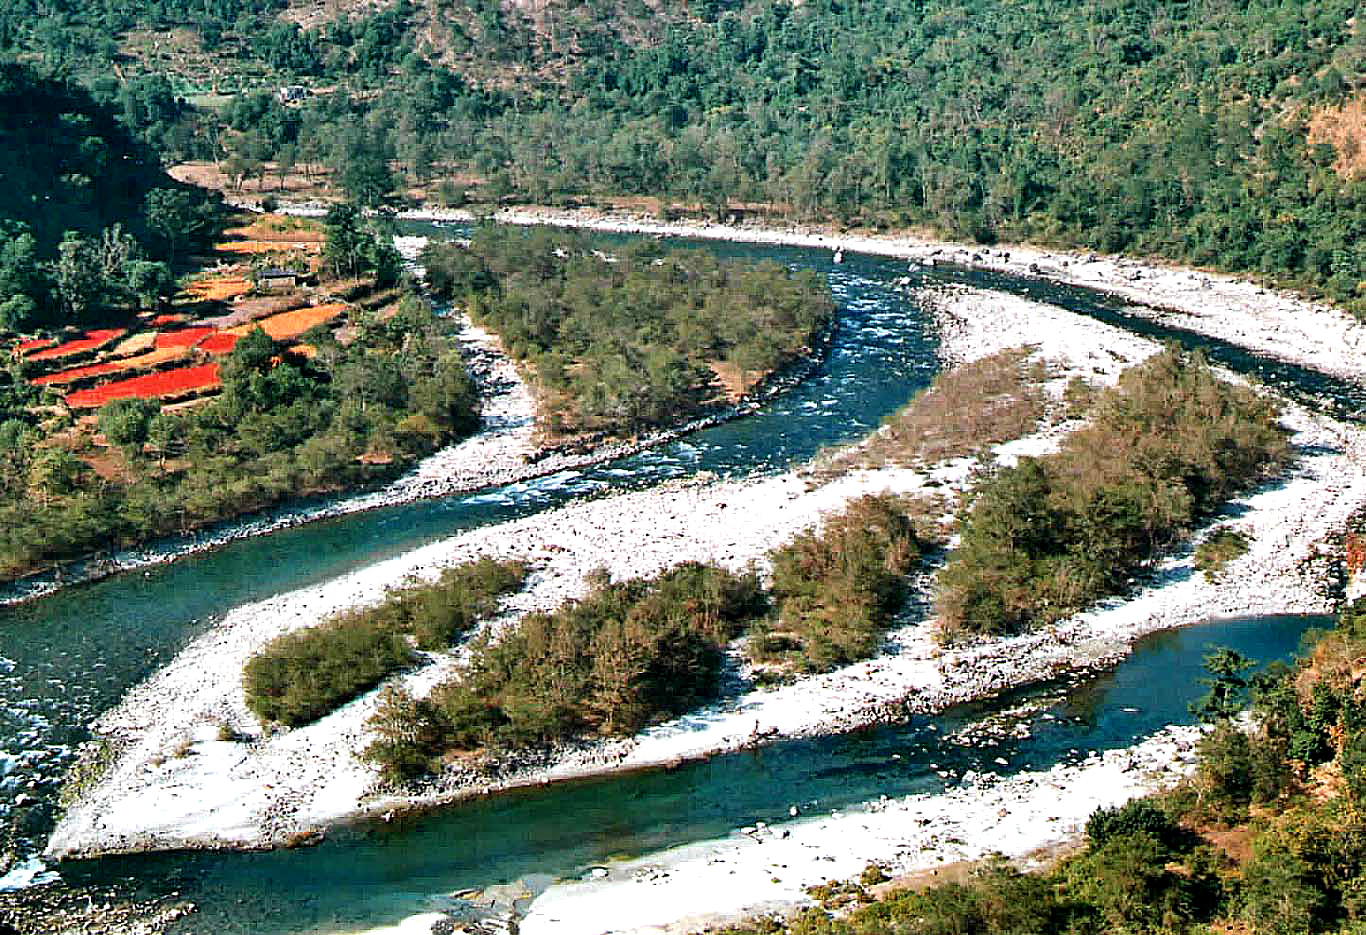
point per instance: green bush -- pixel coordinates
(1221, 547)
(628, 654)
(436, 614)
(1044, 538)
(304, 675)
(409, 734)
(838, 587)
(1126, 885)
(1279, 895)
(1140, 816)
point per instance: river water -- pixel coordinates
(66, 658)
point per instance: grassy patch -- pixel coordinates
(304, 675)
(1221, 547)
(964, 410)
(96, 758)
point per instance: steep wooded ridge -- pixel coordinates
(69, 164)
(1173, 128)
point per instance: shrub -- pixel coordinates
(409, 734)
(837, 588)
(628, 654)
(964, 410)
(1126, 883)
(1140, 816)
(301, 676)
(1279, 896)
(1042, 539)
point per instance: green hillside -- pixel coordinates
(1174, 128)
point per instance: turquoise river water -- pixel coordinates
(67, 657)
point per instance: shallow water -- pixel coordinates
(378, 874)
(67, 657)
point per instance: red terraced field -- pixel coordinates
(91, 341)
(186, 337)
(218, 343)
(152, 386)
(78, 373)
(139, 362)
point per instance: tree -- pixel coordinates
(1227, 686)
(344, 248)
(174, 217)
(355, 247)
(151, 282)
(125, 423)
(79, 278)
(55, 472)
(23, 283)
(365, 174)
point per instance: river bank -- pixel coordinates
(178, 784)
(505, 450)
(1275, 323)
(766, 868)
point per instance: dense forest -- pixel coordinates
(89, 223)
(636, 340)
(1211, 131)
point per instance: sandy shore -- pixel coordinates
(767, 869)
(177, 785)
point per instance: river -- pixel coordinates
(66, 658)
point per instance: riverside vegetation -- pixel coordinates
(301, 676)
(634, 341)
(1267, 836)
(635, 652)
(1165, 447)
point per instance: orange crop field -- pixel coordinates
(287, 326)
(218, 343)
(218, 288)
(91, 341)
(181, 382)
(257, 247)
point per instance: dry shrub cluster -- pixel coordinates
(964, 410)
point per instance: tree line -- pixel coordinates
(1169, 128)
(632, 340)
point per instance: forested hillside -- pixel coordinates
(1211, 131)
(88, 218)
